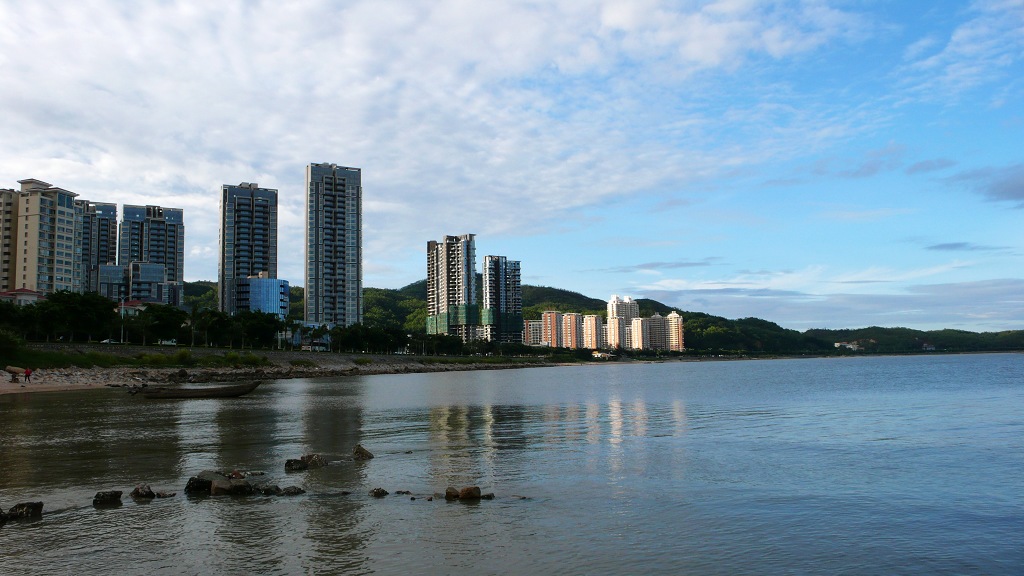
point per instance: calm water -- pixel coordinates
(840, 466)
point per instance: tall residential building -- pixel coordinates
(640, 335)
(38, 233)
(451, 287)
(99, 240)
(8, 231)
(502, 314)
(626, 309)
(533, 332)
(658, 332)
(593, 332)
(616, 333)
(676, 332)
(623, 307)
(154, 235)
(572, 330)
(551, 328)
(334, 245)
(248, 241)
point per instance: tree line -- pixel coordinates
(395, 321)
(70, 317)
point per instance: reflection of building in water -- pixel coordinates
(679, 414)
(466, 443)
(332, 420)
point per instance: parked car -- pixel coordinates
(109, 341)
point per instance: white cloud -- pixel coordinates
(451, 103)
(529, 117)
(980, 50)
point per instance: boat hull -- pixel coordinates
(208, 392)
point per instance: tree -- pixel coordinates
(11, 317)
(415, 312)
(296, 303)
(164, 322)
(258, 328)
(219, 325)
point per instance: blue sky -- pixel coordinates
(829, 164)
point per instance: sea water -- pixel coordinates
(877, 465)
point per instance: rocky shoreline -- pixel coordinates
(280, 365)
(238, 483)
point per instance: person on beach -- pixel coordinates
(28, 375)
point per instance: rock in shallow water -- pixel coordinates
(314, 460)
(295, 465)
(143, 491)
(107, 498)
(360, 453)
(25, 510)
(469, 493)
(231, 487)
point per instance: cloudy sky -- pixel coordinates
(816, 163)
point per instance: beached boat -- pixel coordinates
(232, 391)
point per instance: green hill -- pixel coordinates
(538, 299)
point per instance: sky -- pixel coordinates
(815, 163)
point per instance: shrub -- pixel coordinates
(9, 342)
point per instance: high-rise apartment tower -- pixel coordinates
(451, 287)
(99, 240)
(334, 245)
(153, 235)
(502, 314)
(248, 241)
(619, 332)
(675, 332)
(39, 231)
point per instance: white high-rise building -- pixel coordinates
(623, 307)
(675, 332)
(626, 309)
(616, 332)
(640, 335)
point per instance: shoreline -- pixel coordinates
(281, 367)
(333, 366)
